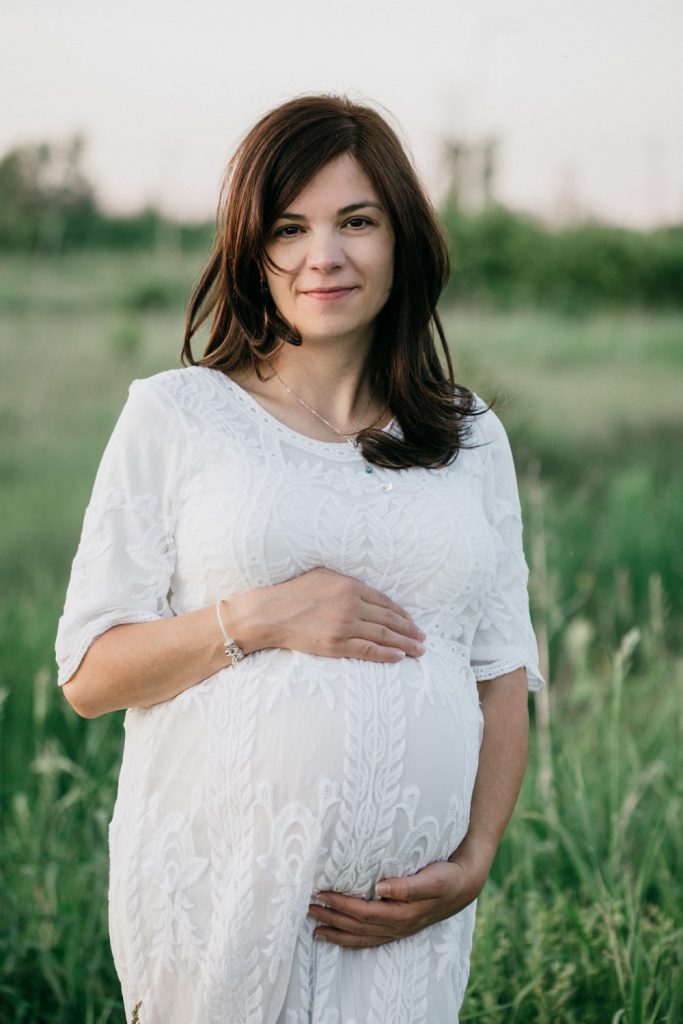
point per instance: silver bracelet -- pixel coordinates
(232, 651)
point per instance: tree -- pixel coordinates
(45, 197)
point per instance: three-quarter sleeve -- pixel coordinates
(504, 639)
(122, 569)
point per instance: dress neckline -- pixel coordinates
(342, 448)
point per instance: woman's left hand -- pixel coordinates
(436, 892)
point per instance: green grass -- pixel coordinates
(581, 920)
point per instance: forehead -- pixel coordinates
(340, 182)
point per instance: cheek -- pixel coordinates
(384, 275)
(279, 292)
(383, 262)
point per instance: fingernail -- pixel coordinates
(382, 889)
(422, 636)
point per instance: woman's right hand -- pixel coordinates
(326, 613)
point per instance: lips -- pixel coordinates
(327, 294)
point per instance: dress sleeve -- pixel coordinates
(126, 554)
(504, 639)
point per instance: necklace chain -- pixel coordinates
(385, 485)
(340, 433)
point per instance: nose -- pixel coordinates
(325, 252)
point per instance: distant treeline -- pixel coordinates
(508, 259)
(500, 257)
(47, 207)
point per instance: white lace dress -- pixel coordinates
(247, 794)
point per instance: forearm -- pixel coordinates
(502, 761)
(144, 663)
(320, 612)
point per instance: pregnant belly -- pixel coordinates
(363, 770)
(248, 794)
(369, 765)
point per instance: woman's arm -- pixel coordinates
(321, 612)
(446, 887)
(143, 663)
(502, 761)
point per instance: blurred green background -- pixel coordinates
(578, 333)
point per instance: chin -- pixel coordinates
(327, 334)
(333, 327)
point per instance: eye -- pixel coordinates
(288, 231)
(356, 223)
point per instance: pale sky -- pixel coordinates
(584, 95)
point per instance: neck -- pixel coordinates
(331, 378)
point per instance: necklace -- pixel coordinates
(340, 433)
(386, 486)
(349, 435)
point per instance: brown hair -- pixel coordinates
(272, 165)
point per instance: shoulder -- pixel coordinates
(173, 383)
(173, 392)
(155, 404)
(488, 429)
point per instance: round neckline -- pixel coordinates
(248, 400)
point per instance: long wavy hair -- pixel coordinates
(274, 162)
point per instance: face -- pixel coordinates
(335, 246)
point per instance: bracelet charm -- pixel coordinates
(232, 652)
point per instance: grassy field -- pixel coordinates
(582, 919)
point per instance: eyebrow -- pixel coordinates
(344, 209)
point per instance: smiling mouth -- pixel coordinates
(327, 294)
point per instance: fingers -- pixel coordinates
(436, 881)
(353, 922)
(366, 650)
(391, 620)
(346, 618)
(382, 636)
(390, 613)
(379, 633)
(375, 913)
(415, 902)
(351, 925)
(373, 605)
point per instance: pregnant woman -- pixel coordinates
(301, 573)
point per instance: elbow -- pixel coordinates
(73, 692)
(88, 685)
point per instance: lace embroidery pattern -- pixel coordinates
(375, 730)
(173, 868)
(294, 847)
(399, 990)
(234, 987)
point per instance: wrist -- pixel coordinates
(476, 849)
(244, 621)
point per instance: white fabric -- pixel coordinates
(246, 795)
